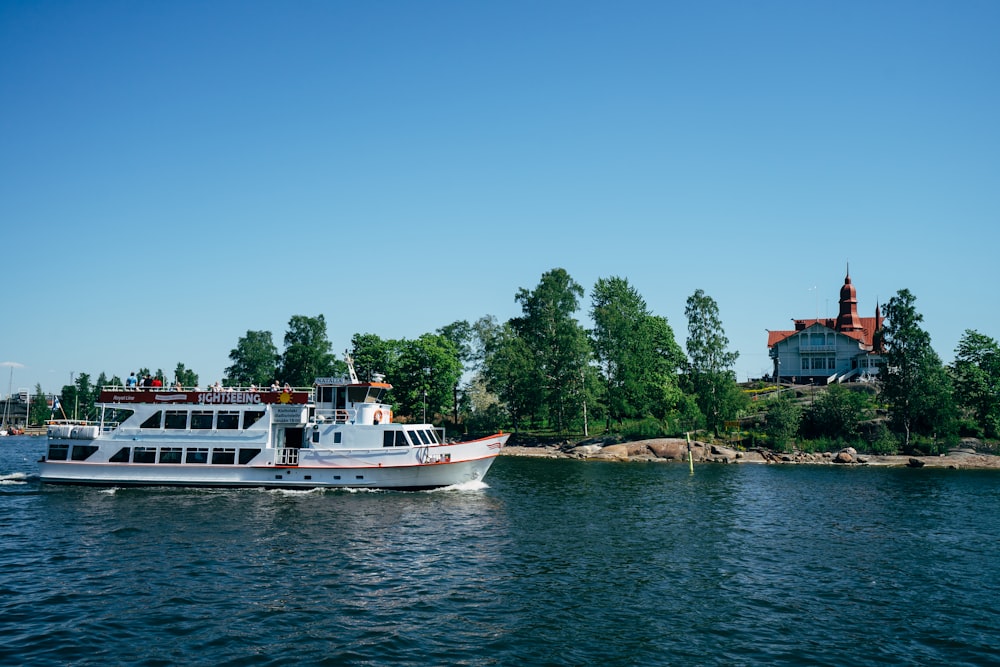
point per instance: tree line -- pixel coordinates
(544, 372)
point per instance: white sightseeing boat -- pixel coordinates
(339, 433)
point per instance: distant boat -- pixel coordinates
(338, 433)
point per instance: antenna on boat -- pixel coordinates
(350, 367)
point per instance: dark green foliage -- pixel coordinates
(976, 378)
(372, 355)
(424, 376)
(914, 383)
(255, 361)
(556, 344)
(185, 377)
(836, 414)
(307, 354)
(782, 422)
(636, 353)
(40, 410)
(710, 377)
(644, 429)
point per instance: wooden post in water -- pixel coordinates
(690, 457)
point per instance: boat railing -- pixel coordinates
(251, 388)
(286, 457)
(71, 422)
(339, 416)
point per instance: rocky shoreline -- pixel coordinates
(676, 450)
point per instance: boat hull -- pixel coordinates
(464, 462)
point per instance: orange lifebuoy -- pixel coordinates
(378, 416)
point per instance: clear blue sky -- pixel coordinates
(175, 174)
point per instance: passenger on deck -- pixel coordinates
(131, 382)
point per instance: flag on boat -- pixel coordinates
(55, 404)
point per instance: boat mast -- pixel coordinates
(6, 407)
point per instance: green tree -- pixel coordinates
(914, 382)
(460, 333)
(710, 375)
(424, 375)
(636, 352)
(510, 371)
(307, 354)
(255, 360)
(78, 398)
(976, 377)
(184, 376)
(558, 344)
(39, 411)
(837, 414)
(782, 423)
(372, 355)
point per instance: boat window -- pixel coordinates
(324, 395)
(170, 455)
(336, 437)
(248, 455)
(228, 419)
(341, 398)
(83, 452)
(153, 421)
(315, 437)
(176, 419)
(388, 438)
(114, 416)
(121, 456)
(198, 455)
(201, 419)
(423, 437)
(438, 434)
(357, 394)
(401, 439)
(144, 455)
(58, 452)
(251, 417)
(224, 456)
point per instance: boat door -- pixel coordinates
(288, 437)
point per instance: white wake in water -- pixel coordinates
(14, 478)
(473, 485)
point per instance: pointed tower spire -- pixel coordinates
(848, 319)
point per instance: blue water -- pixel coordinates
(547, 563)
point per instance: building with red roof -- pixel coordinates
(830, 349)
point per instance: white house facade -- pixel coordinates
(829, 350)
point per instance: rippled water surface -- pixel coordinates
(548, 563)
